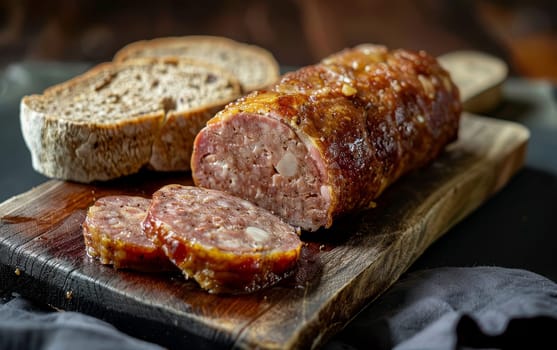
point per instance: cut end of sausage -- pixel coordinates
(227, 244)
(113, 234)
(261, 159)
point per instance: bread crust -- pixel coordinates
(173, 146)
(272, 71)
(86, 151)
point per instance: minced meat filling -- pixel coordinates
(261, 159)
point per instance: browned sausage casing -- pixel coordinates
(329, 138)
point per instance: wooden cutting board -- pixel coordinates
(42, 254)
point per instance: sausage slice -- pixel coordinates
(226, 244)
(113, 234)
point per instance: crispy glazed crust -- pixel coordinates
(368, 114)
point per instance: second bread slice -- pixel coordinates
(120, 117)
(254, 66)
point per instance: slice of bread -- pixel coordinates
(254, 66)
(119, 117)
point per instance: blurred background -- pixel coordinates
(44, 42)
(297, 32)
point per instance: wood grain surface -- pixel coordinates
(42, 253)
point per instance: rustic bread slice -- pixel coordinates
(254, 66)
(119, 117)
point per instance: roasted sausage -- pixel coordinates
(226, 244)
(329, 138)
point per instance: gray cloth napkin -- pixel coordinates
(24, 325)
(457, 308)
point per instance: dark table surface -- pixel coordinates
(514, 229)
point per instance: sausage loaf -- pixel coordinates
(113, 234)
(226, 244)
(329, 138)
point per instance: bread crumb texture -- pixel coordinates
(254, 66)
